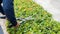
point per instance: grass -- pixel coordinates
(42, 23)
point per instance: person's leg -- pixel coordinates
(9, 11)
(1, 9)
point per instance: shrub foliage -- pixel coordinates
(42, 23)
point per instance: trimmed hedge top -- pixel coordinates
(42, 23)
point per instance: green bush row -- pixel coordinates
(42, 23)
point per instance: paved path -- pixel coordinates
(52, 6)
(3, 26)
(1, 31)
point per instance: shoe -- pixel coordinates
(2, 16)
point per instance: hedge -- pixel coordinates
(43, 22)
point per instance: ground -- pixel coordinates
(3, 29)
(52, 6)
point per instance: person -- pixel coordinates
(8, 10)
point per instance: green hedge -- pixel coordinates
(42, 23)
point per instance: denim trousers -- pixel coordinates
(8, 10)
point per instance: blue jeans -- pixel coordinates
(1, 8)
(8, 10)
